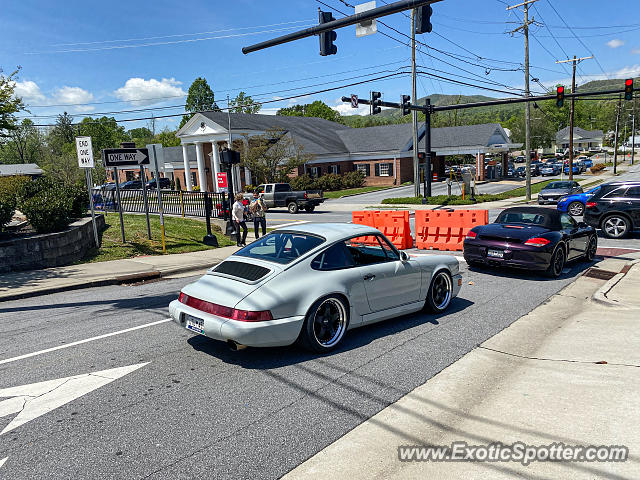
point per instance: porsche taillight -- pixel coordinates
(537, 242)
(225, 312)
(471, 235)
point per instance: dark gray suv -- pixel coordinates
(615, 208)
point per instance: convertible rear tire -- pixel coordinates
(325, 324)
(575, 209)
(292, 207)
(556, 265)
(440, 292)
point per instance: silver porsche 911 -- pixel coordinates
(310, 284)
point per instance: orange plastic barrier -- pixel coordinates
(393, 224)
(441, 230)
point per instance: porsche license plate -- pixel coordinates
(495, 253)
(194, 324)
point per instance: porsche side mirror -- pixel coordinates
(404, 256)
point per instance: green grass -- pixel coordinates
(181, 235)
(457, 200)
(353, 191)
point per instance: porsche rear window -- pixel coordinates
(523, 217)
(281, 247)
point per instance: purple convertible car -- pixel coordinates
(533, 238)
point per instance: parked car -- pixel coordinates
(520, 159)
(164, 183)
(521, 171)
(549, 169)
(311, 284)
(615, 208)
(552, 192)
(587, 162)
(577, 168)
(131, 185)
(533, 238)
(574, 204)
(535, 169)
(281, 195)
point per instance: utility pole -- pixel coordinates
(414, 113)
(615, 143)
(575, 62)
(633, 136)
(527, 93)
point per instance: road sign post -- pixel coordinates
(156, 150)
(143, 180)
(84, 149)
(115, 176)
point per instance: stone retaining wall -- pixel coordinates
(50, 249)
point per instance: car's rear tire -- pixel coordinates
(556, 265)
(592, 248)
(309, 209)
(325, 324)
(615, 226)
(575, 209)
(292, 207)
(440, 292)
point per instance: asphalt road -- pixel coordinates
(188, 407)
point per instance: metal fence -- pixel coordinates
(174, 202)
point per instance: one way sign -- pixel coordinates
(125, 157)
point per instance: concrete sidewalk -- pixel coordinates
(16, 285)
(568, 372)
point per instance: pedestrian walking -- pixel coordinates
(237, 214)
(259, 209)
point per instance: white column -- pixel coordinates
(238, 180)
(187, 168)
(247, 176)
(202, 178)
(216, 164)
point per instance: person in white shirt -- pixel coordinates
(237, 214)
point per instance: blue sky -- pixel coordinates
(95, 57)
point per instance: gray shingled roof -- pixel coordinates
(316, 135)
(578, 132)
(174, 154)
(398, 137)
(20, 169)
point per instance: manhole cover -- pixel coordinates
(600, 274)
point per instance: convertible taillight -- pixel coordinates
(591, 204)
(225, 312)
(537, 242)
(471, 235)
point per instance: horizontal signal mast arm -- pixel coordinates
(340, 23)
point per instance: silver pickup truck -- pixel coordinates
(280, 195)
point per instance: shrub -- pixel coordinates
(303, 182)
(353, 179)
(48, 211)
(250, 188)
(330, 182)
(9, 188)
(7, 207)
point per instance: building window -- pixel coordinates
(194, 179)
(364, 168)
(335, 169)
(384, 169)
(315, 172)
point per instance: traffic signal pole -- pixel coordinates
(414, 114)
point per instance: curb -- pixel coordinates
(119, 280)
(600, 296)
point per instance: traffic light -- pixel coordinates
(628, 89)
(560, 96)
(423, 19)
(327, 38)
(406, 105)
(375, 103)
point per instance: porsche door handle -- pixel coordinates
(369, 277)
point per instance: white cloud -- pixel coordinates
(29, 91)
(139, 91)
(345, 109)
(615, 43)
(635, 51)
(72, 95)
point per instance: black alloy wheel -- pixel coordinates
(557, 262)
(325, 325)
(440, 292)
(575, 209)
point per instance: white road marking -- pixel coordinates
(3, 460)
(36, 399)
(80, 342)
(291, 224)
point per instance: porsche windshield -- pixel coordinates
(281, 247)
